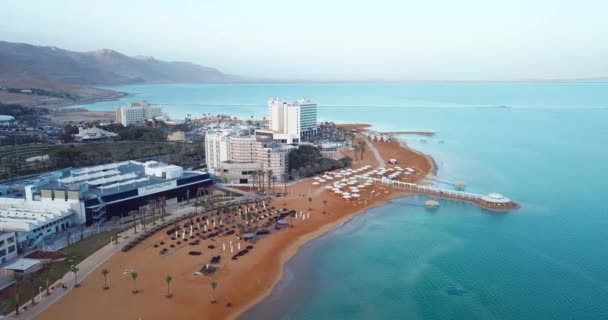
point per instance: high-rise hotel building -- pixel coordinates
(291, 121)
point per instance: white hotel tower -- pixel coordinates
(295, 120)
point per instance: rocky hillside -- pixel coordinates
(25, 62)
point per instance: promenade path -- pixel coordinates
(376, 153)
(86, 268)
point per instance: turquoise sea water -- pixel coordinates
(548, 152)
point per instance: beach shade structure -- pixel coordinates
(321, 180)
(459, 185)
(282, 222)
(346, 196)
(496, 198)
(431, 204)
(355, 195)
(317, 178)
(361, 186)
(315, 183)
(410, 169)
(328, 187)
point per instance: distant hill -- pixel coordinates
(23, 63)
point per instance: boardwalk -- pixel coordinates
(493, 202)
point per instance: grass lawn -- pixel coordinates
(74, 254)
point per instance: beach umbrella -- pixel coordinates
(238, 245)
(223, 246)
(205, 228)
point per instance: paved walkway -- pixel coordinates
(376, 153)
(86, 267)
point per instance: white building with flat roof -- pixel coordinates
(216, 148)
(38, 207)
(137, 113)
(296, 119)
(8, 246)
(227, 148)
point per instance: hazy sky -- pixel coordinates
(327, 40)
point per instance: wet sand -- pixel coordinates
(242, 283)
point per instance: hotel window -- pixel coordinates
(11, 249)
(2, 252)
(1, 243)
(10, 240)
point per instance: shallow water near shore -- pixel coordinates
(547, 152)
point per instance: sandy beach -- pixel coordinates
(242, 282)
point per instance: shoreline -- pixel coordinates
(243, 283)
(119, 95)
(291, 251)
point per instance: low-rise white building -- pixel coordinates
(137, 113)
(94, 133)
(38, 207)
(8, 246)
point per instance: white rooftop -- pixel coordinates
(21, 264)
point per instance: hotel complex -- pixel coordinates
(137, 113)
(291, 121)
(39, 207)
(234, 154)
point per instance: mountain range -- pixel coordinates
(26, 62)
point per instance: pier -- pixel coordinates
(492, 201)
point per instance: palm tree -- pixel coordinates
(261, 179)
(47, 270)
(292, 214)
(18, 282)
(274, 184)
(254, 176)
(168, 280)
(105, 273)
(75, 270)
(362, 145)
(285, 176)
(269, 173)
(213, 286)
(134, 276)
(324, 205)
(309, 204)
